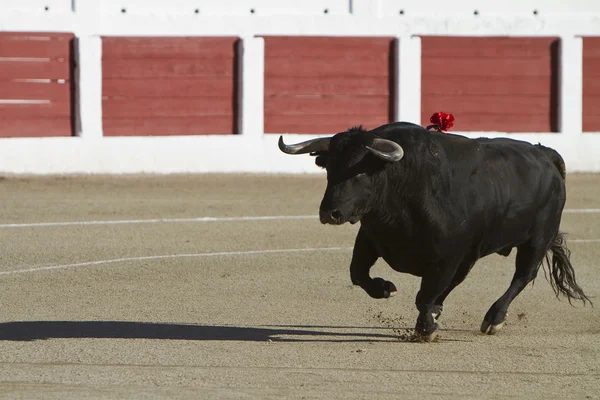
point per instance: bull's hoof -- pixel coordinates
(436, 312)
(428, 335)
(427, 338)
(381, 289)
(431, 337)
(489, 328)
(493, 320)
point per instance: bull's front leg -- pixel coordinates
(363, 257)
(433, 285)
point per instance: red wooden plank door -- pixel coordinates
(591, 84)
(327, 84)
(36, 93)
(505, 84)
(156, 86)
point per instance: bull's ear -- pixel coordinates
(321, 158)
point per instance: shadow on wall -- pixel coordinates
(41, 330)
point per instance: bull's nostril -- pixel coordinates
(330, 217)
(336, 215)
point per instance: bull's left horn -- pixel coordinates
(386, 149)
(319, 144)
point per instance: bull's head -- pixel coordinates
(354, 161)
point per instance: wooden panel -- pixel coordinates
(164, 68)
(315, 105)
(441, 67)
(333, 85)
(36, 35)
(320, 46)
(591, 117)
(35, 91)
(168, 85)
(486, 85)
(512, 83)
(165, 126)
(326, 66)
(591, 84)
(592, 67)
(326, 84)
(164, 47)
(54, 47)
(35, 126)
(319, 124)
(498, 104)
(165, 107)
(591, 47)
(183, 87)
(19, 111)
(31, 66)
(495, 47)
(492, 122)
(10, 70)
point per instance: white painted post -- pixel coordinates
(251, 88)
(570, 109)
(408, 79)
(88, 94)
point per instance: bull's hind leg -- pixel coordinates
(529, 258)
(363, 258)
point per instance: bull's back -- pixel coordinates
(474, 196)
(512, 185)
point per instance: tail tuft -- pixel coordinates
(562, 274)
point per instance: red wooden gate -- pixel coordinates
(327, 84)
(591, 84)
(504, 84)
(169, 86)
(36, 96)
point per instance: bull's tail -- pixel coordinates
(557, 160)
(562, 274)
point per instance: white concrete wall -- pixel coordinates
(253, 151)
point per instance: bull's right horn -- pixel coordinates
(310, 146)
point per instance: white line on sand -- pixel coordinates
(170, 256)
(190, 255)
(205, 219)
(161, 220)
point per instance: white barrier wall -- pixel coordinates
(252, 150)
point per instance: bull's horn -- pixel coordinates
(319, 144)
(386, 149)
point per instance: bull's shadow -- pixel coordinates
(41, 330)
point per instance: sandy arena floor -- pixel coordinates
(121, 287)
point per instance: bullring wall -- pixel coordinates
(201, 86)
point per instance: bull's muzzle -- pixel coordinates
(333, 217)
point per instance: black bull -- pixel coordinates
(431, 204)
